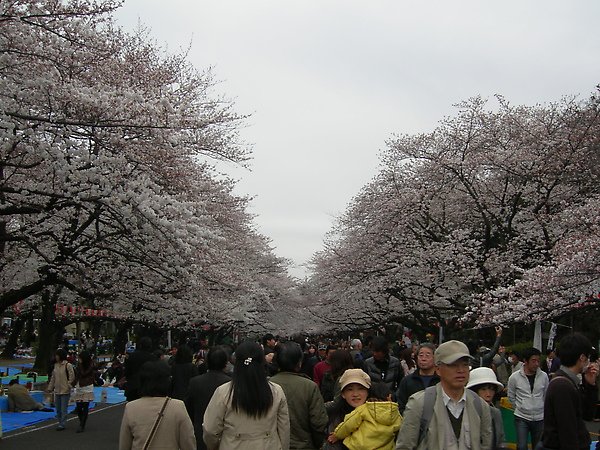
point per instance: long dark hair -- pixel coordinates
(184, 355)
(340, 361)
(61, 353)
(406, 356)
(86, 360)
(250, 390)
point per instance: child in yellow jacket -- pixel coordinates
(373, 424)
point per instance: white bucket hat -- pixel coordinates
(483, 375)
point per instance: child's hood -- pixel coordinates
(385, 413)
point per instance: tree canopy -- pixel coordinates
(107, 188)
(491, 218)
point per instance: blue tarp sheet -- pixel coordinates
(8, 371)
(13, 421)
(113, 395)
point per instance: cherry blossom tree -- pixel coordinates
(458, 216)
(107, 193)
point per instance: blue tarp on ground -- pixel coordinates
(22, 379)
(13, 369)
(113, 395)
(13, 421)
(10, 370)
(24, 365)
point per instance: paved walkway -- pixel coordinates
(101, 433)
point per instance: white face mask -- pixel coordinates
(586, 366)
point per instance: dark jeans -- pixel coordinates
(524, 427)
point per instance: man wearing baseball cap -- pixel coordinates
(447, 416)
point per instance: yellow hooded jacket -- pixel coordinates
(371, 426)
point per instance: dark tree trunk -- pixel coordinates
(13, 339)
(48, 333)
(29, 331)
(121, 337)
(95, 327)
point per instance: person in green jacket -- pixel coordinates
(308, 417)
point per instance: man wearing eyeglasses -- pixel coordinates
(447, 416)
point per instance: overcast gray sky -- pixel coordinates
(328, 82)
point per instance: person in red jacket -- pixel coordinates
(323, 366)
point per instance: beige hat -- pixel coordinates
(449, 352)
(355, 376)
(483, 375)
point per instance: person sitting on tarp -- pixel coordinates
(19, 399)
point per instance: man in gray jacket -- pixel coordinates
(447, 416)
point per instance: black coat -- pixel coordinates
(411, 384)
(388, 372)
(181, 376)
(566, 406)
(133, 364)
(200, 391)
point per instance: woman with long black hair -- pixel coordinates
(249, 412)
(340, 361)
(84, 387)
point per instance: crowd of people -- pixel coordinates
(337, 395)
(294, 395)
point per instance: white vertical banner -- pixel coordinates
(537, 335)
(552, 335)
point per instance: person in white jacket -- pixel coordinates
(526, 391)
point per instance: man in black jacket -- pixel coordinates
(133, 365)
(382, 367)
(421, 378)
(202, 388)
(568, 401)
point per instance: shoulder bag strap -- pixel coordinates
(428, 404)
(156, 424)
